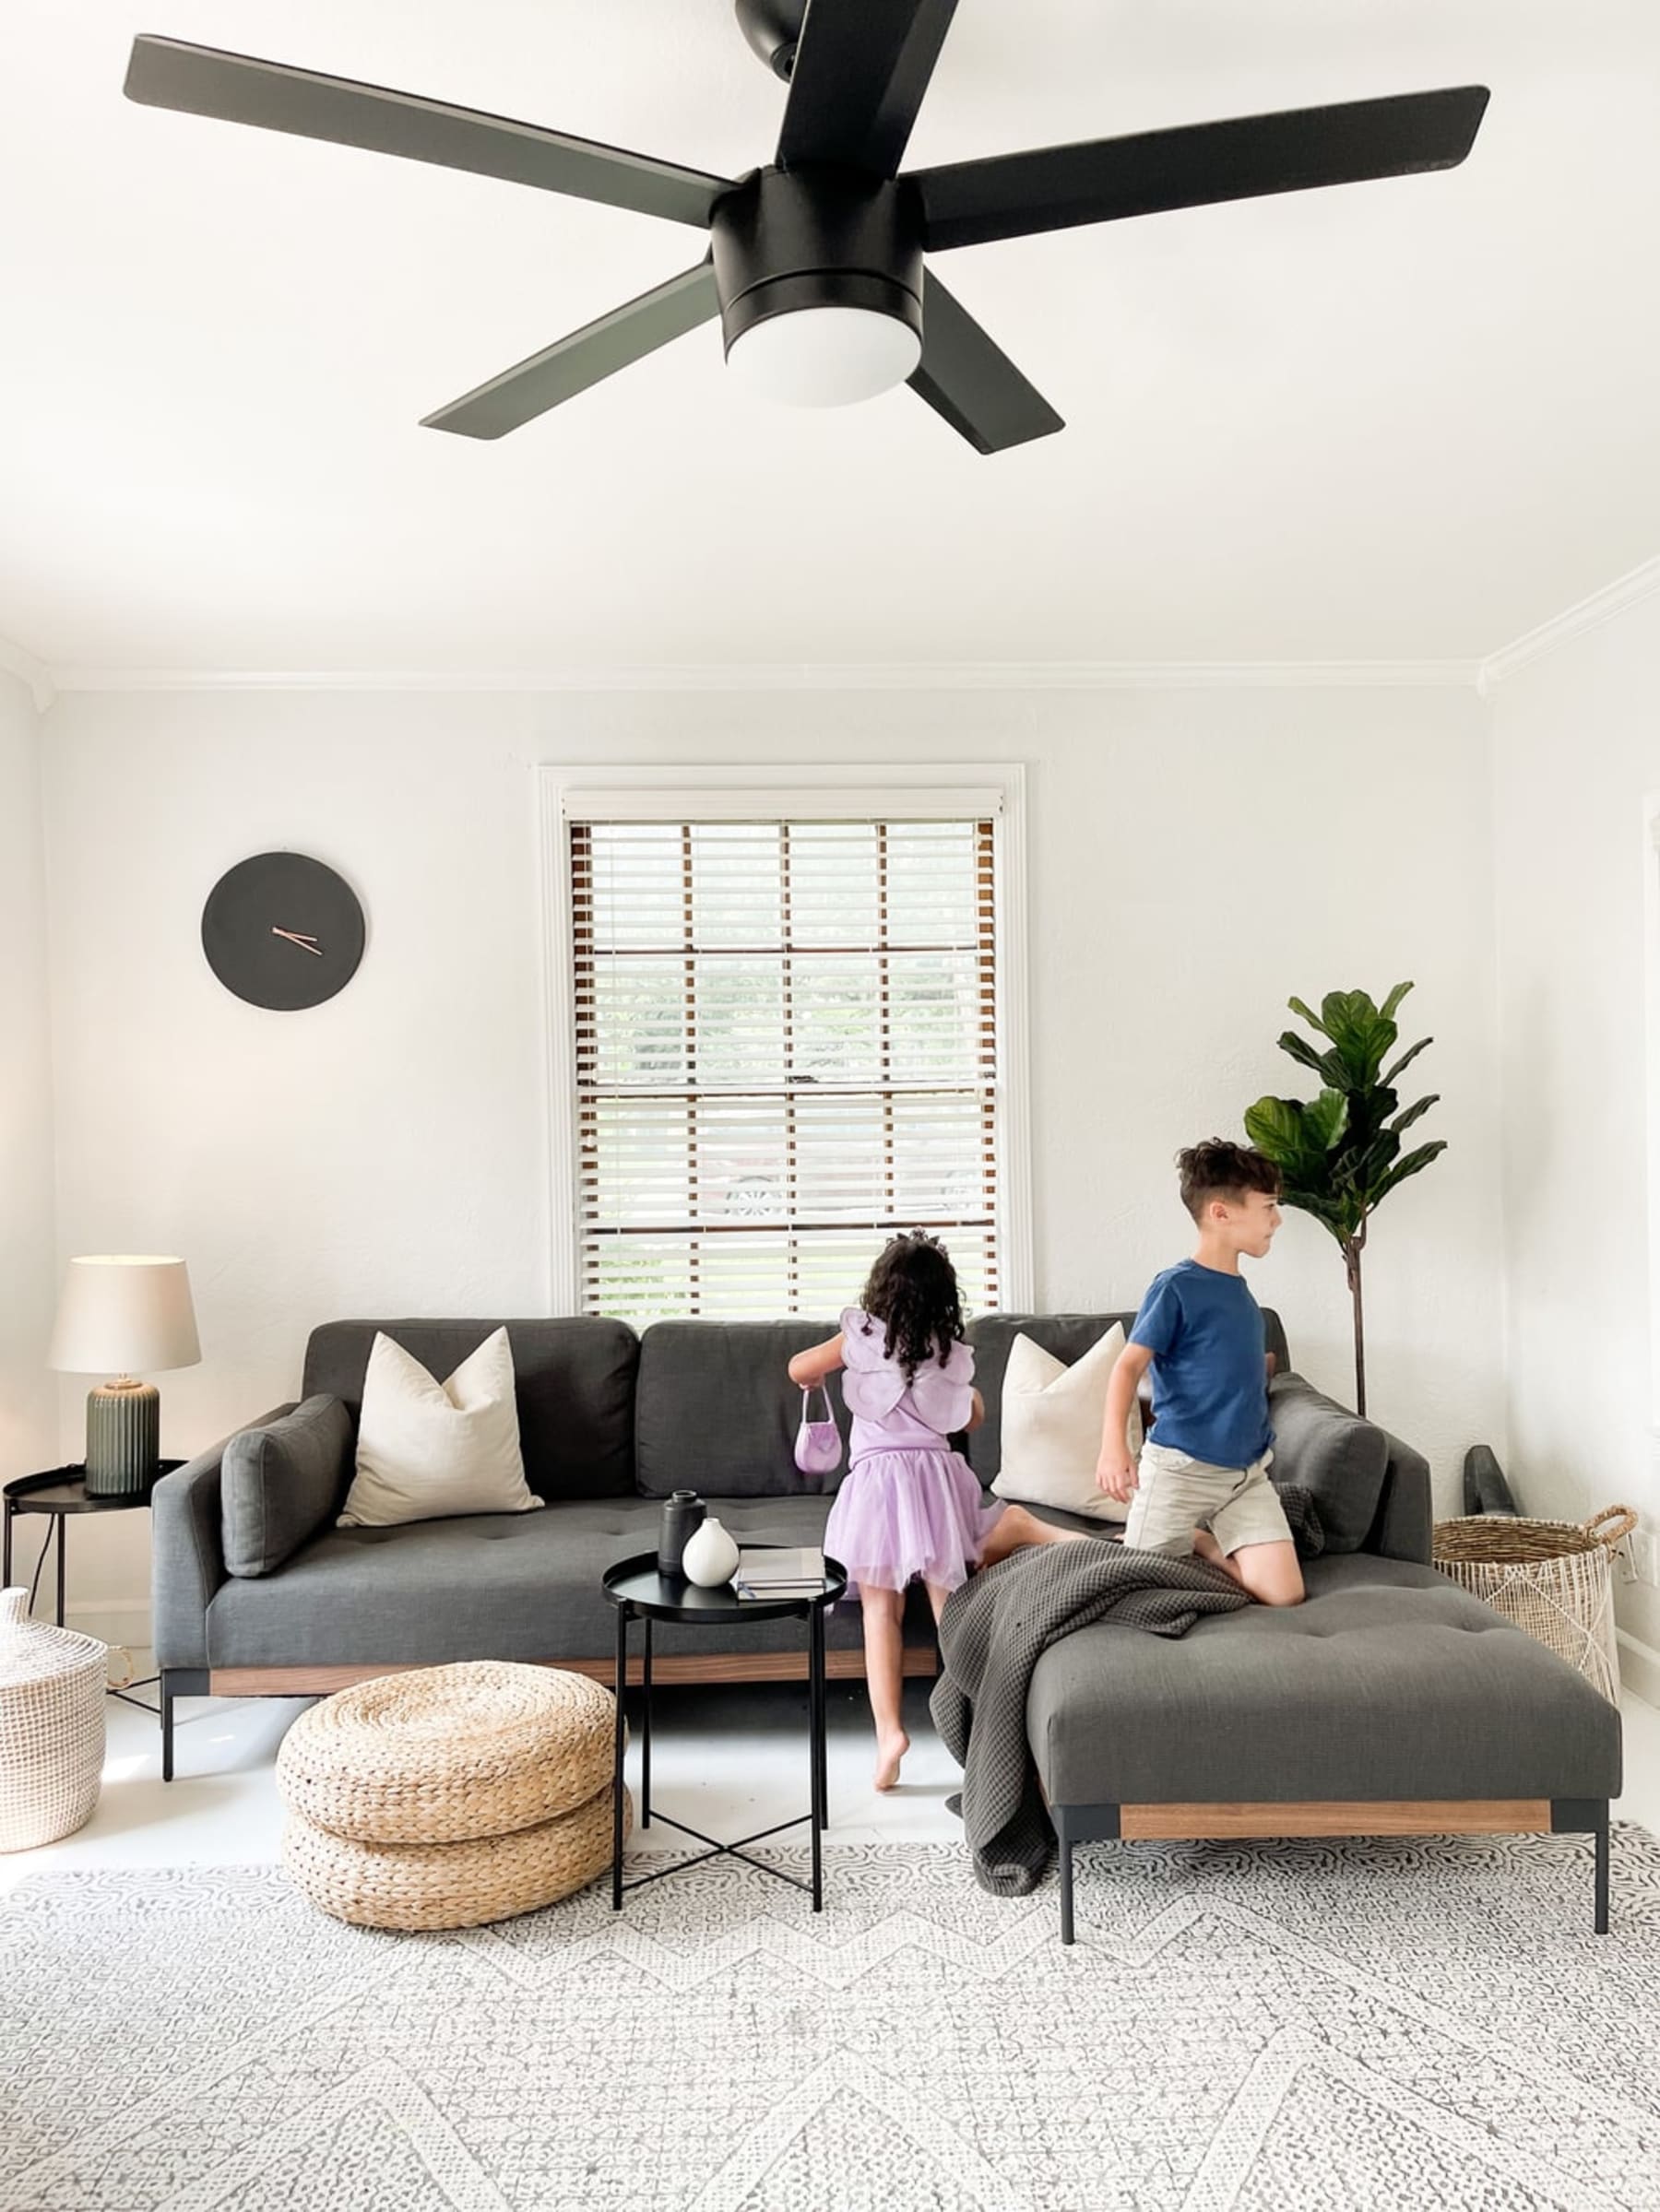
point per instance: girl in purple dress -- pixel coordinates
(909, 1506)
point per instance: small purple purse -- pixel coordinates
(818, 1446)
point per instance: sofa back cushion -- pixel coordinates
(574, 1383)
(1338, 1457)
(1068, 1336)
(716, 1411)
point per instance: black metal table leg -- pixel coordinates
(815, 1745)
(58, 1524)
(823, 1729)
(645, 1730)
(617, 1761)
(5, 1570)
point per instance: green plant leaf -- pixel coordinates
(1406, 1058)
(1415, 1113)
(1361, 1035)
(1307, 1013)
(1391, 1005)
(1326, 1065)
(1296, 1137)
(1327, 1118)
(1412, 1163)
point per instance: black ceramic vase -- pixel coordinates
(681, 1514)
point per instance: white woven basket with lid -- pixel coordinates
(52, 1726)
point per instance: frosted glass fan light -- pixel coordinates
(825, 355)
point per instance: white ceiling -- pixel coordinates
(1401, 421)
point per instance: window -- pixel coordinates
(783, 1044)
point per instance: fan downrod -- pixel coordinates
(773, 29)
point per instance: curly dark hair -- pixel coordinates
(913, 1290)
(1216, 1168)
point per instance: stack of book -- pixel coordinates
(779, 1571)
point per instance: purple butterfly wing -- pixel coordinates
(944, 1395)
(872, 1384)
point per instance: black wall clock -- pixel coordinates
(283, 930)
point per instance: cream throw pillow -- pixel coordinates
(1051, 1426)
(428, 1450)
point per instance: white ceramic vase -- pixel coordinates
(710, 1558)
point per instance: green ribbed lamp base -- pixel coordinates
(123, 1438)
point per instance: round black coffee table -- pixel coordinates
(639, 1592)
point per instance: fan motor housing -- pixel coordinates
(791, 238)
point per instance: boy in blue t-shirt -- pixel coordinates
(1202, 1482)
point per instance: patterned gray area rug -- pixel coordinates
(1342, 2025)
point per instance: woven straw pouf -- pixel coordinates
(449, 1796)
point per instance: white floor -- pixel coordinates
(728, 1761)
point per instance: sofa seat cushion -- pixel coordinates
(1389, 1683)
(524, 1586)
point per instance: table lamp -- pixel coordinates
(122, 1313)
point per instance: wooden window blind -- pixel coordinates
(786, 1048)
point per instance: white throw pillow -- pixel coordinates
(428, 1450)
(1051, 1426)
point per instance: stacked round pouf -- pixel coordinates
(449, 1796)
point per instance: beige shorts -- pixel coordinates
(1178, 1494)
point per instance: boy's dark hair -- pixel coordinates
(913, 1289)
(1217, 1169)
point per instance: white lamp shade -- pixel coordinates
(831, 356)
(119, 1314)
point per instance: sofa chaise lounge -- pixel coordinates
(1391, 1702)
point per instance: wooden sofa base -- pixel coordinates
(921, 1659)
(1361, 1816)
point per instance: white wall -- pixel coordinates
(27, 1262)
(1195, 857)
(1577, 748)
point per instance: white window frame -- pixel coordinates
(1650, 916)
(896, 791)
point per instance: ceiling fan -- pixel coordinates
(815, 262)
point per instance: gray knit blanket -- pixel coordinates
(997, 1627)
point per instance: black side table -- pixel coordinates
(60, 1492)
(639, 1592)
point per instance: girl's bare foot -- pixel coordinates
(890, 1750)
(1015, 1528)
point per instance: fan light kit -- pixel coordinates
(815, 262)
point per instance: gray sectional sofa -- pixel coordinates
(1389, 1702)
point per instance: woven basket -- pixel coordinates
(452, 1885)
(1550, 1577)
(439, 1755)
(52, 1726)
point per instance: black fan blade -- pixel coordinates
(971, 382)
(598, 349)
(860, 71)
(200, 80)
(1012, 195)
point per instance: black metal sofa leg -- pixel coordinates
(1578, 1816)
(176, 1681)
(1066, 1888)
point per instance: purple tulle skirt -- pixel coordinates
(901, 1514)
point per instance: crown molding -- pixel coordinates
(42, 689)
(808, 676)
(1602, 606)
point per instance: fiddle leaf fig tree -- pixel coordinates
(1340, 1153)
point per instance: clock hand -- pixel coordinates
(304, 940)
